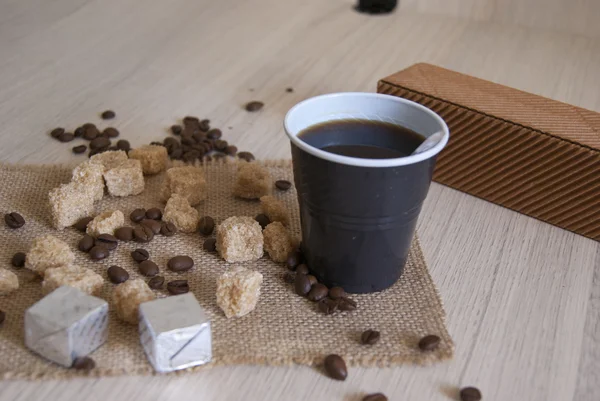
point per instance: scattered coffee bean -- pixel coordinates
(289, 90)
(336, 367)
(156, 283)
(246, 156)
(231, 150)
(177, 287)
(84, 363)
(206, 226)
(79, 149)
(86, 243)
(99, 252)
(214, 133)
(90, 133)
(312, 279)
(139, 255)
(254, 106)
(283, 185)
(124, 233)
(81, 224)
(370, 337)
(111, 132)
(317, 292)
(375, 397)
(429, 343)
(78, 133)
(108, 115)
(302, 285)
(289, 278)
(99, 143)
(14, 220)
(143, 233)
(302, 269)
(470, 394)
(168, 229)
(148, 268)
(117, 274)
(137, 215)
(328, 306)
(347, 304)
(294, 260)
(180, 263)
(210, 245)
(123, 144)
(110, 242)
(153, 225)
(56, 132)
(154, 213)
(66, 137)
(204, 125)
(263, 220)
(18, 260)
(2, 316)
(336, 293)
(176, 129)
(88, 126)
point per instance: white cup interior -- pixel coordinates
(365, 106)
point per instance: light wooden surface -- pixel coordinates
(522, 297)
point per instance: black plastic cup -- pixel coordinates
(358, 216)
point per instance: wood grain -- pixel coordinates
(522, 297)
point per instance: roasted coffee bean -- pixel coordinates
(336, 293)
(139, 255)
(177, 287)
(289, 90)
(168, 229)
(347, 304)
(114, 147)
(29, 276)
(328, 306)
(370, 337)
(246, 156)
(289, 278)
(156, 283)
(153, 225)
(191, 156)
(108, 115)
(99, 252)
(221, 145)
(199, 136)
(302, 285)
(14, 220)
(148, 268)
(86, 243)
(124, 233)
(170, 141)
(18, 260)
(117, 274)
(375, 397)
(66, 137)
(111, 132)
(56, 132)
(263, 220)
(302, 269)
(231, 150)
(143, 234)
(210, 245)
(99, 143)
(123, 144)
(81, 224)
(204, 125)
(88, 126)
(470, 394)
(2, 317)
(214, 133)
(137, 215)
(317, 292)
(336, 367)
(110, 242)
(154, 213)
(254, 106)
(84, 363)
(79, 149)
(176, 129)
(206, 226)
(312, 279)
(177, 154)
(90, 133)
(78, 133)
(429, 342)
(180, 263)
(283, 185)
(191, 120)
(294, 260)
(187, 140)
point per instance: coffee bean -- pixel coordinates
(66, 137)
(204, 125)
(99, 143)
(336, 367)
(221, 145)
(108, 241)
(124, 233)
(336, 293)
(56, 132)
(112, 148)
(429, 343)
(143, 234)
(137, 215)
(153, 225)
(294, 260)
(86, 243)
(347, 304)
(148, 268)
(78, 133)
(84, 363)
(191, 120)
(375, 397)
(302, 285)
(370, 337)
(14, 220)
(470, 394)
(111, 132)
(263, 220)
(18, 260)
(154, 213)
(82, 223)
(328, 306)
(302, 269)
(246, 156)
(191, 156)
(180, 263)
(176, 129)
(214, 133)
(312, 279)
(79, 149)
(317, 292)
(283, 185)
(117, 274)
(99, 252)
(168, 229)
(156, 283)
(289, 278)
(206, 226)
(254, 106)
(108, 115)
(139, 255)
(177, 154)
(88, 126)
(289, 90)
(90, 133)
(177, 287)
(2, 316)
(123, 144)
(210, 245)
(231, 150)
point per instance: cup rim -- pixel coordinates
(360, 162)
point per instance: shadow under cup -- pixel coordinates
(358, 216)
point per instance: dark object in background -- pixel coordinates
(376, 6)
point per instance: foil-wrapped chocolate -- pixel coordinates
(175, 333)
(66, 324)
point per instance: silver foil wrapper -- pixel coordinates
(66, 324)
(175, 333)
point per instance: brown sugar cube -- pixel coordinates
(90, 175)
(153, 157)
(74, 276)
(274, 209)
(127, 298)
(179, 212)
(8, 282)
(109, 159)
(46, 252)
(252, 181)
(238, 291)
(187, 181)
(240, 239)
(125, 179)
(69, 203)
(106, 223)
(278, 242)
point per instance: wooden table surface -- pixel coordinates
(522, 297)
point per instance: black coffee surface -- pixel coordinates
(363, 139)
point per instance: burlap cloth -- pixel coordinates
(284, 328)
